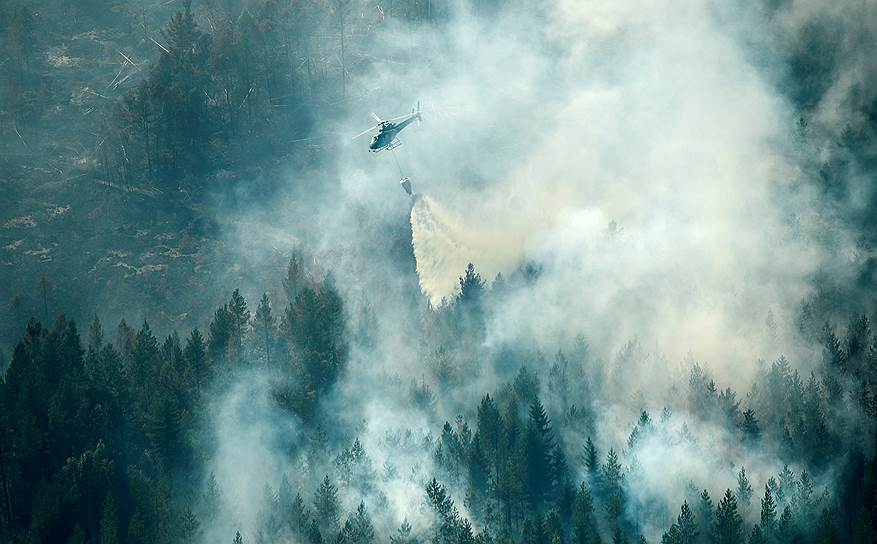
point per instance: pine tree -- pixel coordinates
(478, 472)
(757, 535)
(729, 524)
(446, 528)
(826, 532)
(744, 489)
(195, 355)
(526, 385)
(553, 527)
(221, 334)
(833, 362)
(403, 534)
(362, 529)
(591, 458)
(611, 488)
(211, 500)
(96, 335)
(471, 286)
(240, 316)
(584, 528)
(318, 334)
(109, 522)
(176, 87)
(439, 500)
(267, 520)
(687, 525)
(265, 323)
(314, 535)
(749, 426)
(296, 276)
(539, 445)
(189, 526)
(671, 536)
(165, 430)
(490, 429)
(785, 530)
(326, 507)
(768, 512)
(299, 517)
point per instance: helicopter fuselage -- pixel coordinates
(386, 135)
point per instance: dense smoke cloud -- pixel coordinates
(642, 156)
(670, 127)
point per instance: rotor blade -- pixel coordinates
(364, 132)
(375, 115)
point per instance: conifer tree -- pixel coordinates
(749, 426)
(265, 324)
(688, 532)
(756, 536)
(826, 532)
(744, 489)
(326, 507)
(240, 316)
(490, 429)
(584, 528)
(729, 524)
(211, 499)
(109, 521)
(768, 512)
(363, 531)
(403, 534)
(539, 445)
(591, 458)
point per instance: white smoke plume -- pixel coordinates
(662, 118)
(644, 155)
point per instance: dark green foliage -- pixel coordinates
(538, 450)
(591, 458)
(264, 321)
(749, 426)
(583, 522)
(744, 489)
(109, 522)
(757, 536)
(768, 511)
(327, 511)
(358, 529)
(729, 524)
(826, 532)
(684, 531)
(317, 333)
(687, 525)
(98, 446)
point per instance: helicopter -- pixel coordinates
(388, 129)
